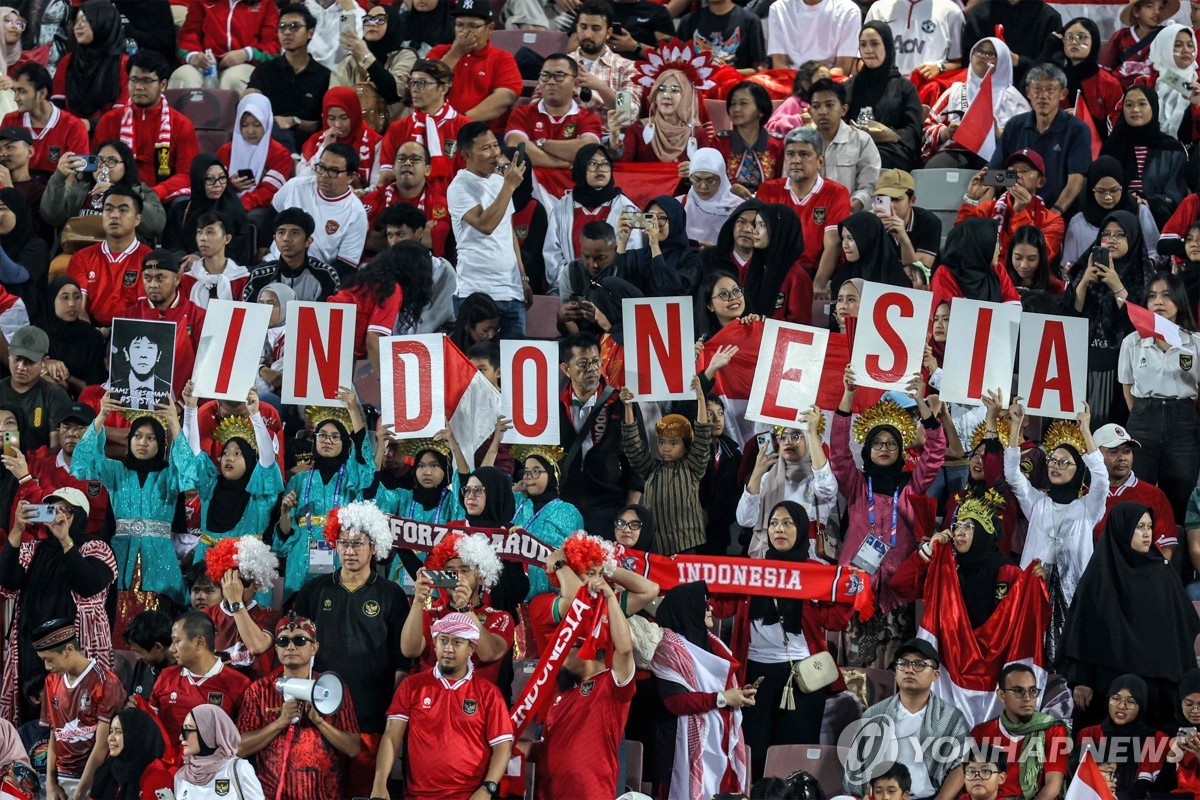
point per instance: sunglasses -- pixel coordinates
(297, 641)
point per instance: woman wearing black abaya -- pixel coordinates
(870, 253)
(134, 769)
(888, 98)
(22, 243)
(969, 266)
(426, 24)
(209, 198)
(1130, 613)
(776, 286)
(1155, 162)
(92, 74)
(73, 341)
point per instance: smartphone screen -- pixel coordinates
(883, 204)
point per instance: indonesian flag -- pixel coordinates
(977, 130)
(1084, 115)
(1089, 783)
(10, 792)
(640, 182)
(971, 659)
(1152, 326)
(472, 403)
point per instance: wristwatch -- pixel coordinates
(540, 142)
(721, 701)
(236, 607)
(557, 565)
(492, 787)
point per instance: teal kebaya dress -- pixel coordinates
(551, 523)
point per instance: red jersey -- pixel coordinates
(206, 421)
(1149, 495)
(75, 710)
(1187, 776)
(177, 691)
(1185, 214)
(147, 125)
(1153, 749)
(533, 123)
(1049, 221)
(372, 317)
(945, 286)
(312, 765)
(222, 27)
(189, 321)
(582, 734)
(448, 125)
(64, 133)
(276, 171)
(827, 204)
(477, 75)
(1058, 747)
(432, 201)
(452, 728)
(111, 282)
(493, 621)
(51, 470)
(229, 641)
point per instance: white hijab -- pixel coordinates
(1002, 75)
(1171, 104)
(244, 155)
(705, 217)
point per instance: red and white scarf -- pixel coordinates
(425, 128)
(164, 125)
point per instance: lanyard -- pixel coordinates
(337, 493)
(437, 520)
(871, 510)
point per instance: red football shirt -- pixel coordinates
(532, 122)
(52, 472)
(821, 210)
(451, 731)
(189, 322)
(477, 75)
(229, 641)
(582, 734)
(493, 621)
(432, 201)
(177, 692)
(64, 133)
(75, 710)
(111, 282)
(1058, 746)
(1137, 491)
(402, 131)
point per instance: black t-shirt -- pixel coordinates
(926, 232)
(359, 632)
(643, 19)
(292, 94)
(735, 38)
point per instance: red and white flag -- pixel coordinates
(640, 182)
(977, 129)
(472, 403)
(1152, 326)
(1089, 783)
(972, 658)
(1084, 115)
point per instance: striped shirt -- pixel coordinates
(672, 490)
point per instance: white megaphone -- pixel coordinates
(325, 693)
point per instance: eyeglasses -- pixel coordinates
(586, 365)
(186, 732)
(215, 180)
(1107, 192)
(295, 641)
(375, 19)
(890, 447)
(421, 85)
(469, 26)
(627, 524)
(979, 774)
(1190, 705)
(1018, 692)
(1060, 463)
(1077, 38)
(414, 160)
(790, 437)
(986, 55)
(665, 89)
(19, 24)
(661, 219)
(556, 77)
(321, 169)
(1113, 236)
(729, 294)
(904, 665)
(352, 544)
(596, 166)
(966, 526)
(332, 438)
(535, 473)
(1122, 702)
(474, 491)
(752, 224)
(290, 26)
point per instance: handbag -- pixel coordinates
(808, 674)
(81, 232)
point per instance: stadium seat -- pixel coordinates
(820, 761)
(541, 320)
(207, 109)
(210, 141)
(543, 43)
(941, 191)
(820, 311)
(718, 115)
(366, 384)
(633, 764)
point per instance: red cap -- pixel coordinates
(1030, 157)
(294, 622)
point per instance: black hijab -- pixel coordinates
(431, 28)
(551, 493)
(94, 75)
(232, 212)
(1127, 768)
(15, 240)
(978, 573)
(8, 482)
(1133, 265)
(885, 480)
(872, 86)
(119, 778)
(720, 255)
(1067, 493)
(429, 499)
(1130, 610)
(683, 610)
(157, 462)
(392, 39)
(608, 295)
(968, 253)
(1125, 137)
(645, 542)
(1105, 167)
(581, 192)
(328, 466)
(77, 344)
(1078, 73)
(499, 509)
(1189, 274)
(769, 268)
(878, 254)
(1188, 684)
(230, 498)
(770, 610)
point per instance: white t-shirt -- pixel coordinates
(486, 263)
(251, 789)
(824, 32)
(341, 221)
(926, 31)
(908, 734)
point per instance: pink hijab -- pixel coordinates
(218, 733)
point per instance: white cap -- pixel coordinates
(1112, 435)
(72, 497)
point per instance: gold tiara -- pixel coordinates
(1063, 432)
(235, 427)
(1001, 429)
(983, 510)
(134, 414)
(886, 412)
(413, 447)
(551, 452)
(319, 415)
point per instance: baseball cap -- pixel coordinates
(1030, 157)
(72, 497)
(15, 133)
(895, 183)
(1113, 435)
(81, 413)
(473, 8)
(922, 648)
(30, 342)
(161, 259)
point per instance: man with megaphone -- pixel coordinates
(297, 722)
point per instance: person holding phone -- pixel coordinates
(1019, 203)
(1185, 746)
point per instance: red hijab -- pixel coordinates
(364, 140)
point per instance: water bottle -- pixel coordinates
(210, 72)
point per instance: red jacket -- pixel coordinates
(278, 169)
(225, 25)
(945, 286)
(184, 147)
(1049, 222)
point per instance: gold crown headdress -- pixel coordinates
(552, 453)
(1001, 429)
(1063, 432)
(982, 509)
(234, 426)
(799, 426)
(134, 414)
(414, 447)
(319, 415)
(886, 412)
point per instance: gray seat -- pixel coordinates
(941, 190)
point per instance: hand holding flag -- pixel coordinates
(1152, 326)
(977, 130)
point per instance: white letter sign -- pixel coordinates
(660, 355)
(411, 395)
(1053, 365)
(318, 352)
(230, 349)
(981, 350)
(890, 338)
(527, 392)
(787, 376)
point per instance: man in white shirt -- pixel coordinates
(481, 209)
(928, 33)
(326, 43)
(813, 30)
(341, 220)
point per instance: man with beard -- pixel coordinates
(601, 71)
(53, 468)
(163, 302)
(1023, 733)
(581, 739)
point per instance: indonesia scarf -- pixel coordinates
(425, 128)
(1033, 747)
(162, 145)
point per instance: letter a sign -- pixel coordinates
(1052, 365)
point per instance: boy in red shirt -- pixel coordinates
(109, 274)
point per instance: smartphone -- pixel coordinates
(649, 222)
(521, 152)
(634, 219)
(1177, 82)
(1000, 178)
(625, 105)
(90, 163)
(1100, 257)
(883, 205)
(1185, 733)
(758, 681)
(12, 442)
(766, 443)
(44, 513)
(348, 22)
(443, 578)
(248, 174)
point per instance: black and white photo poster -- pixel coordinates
(141, 362)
